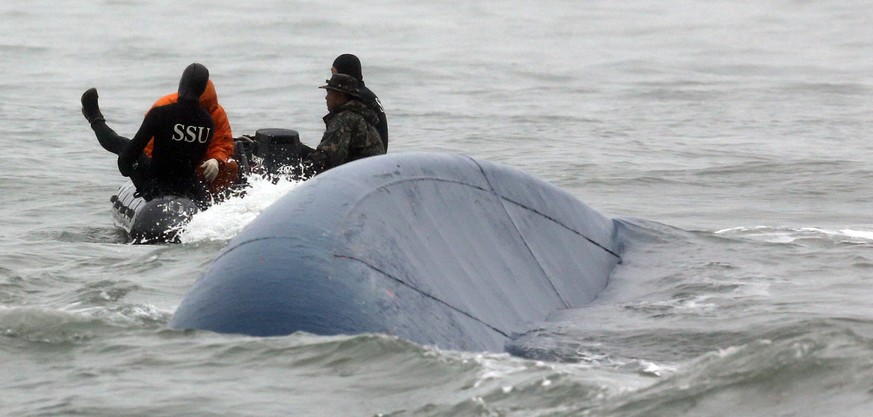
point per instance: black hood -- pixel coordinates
(350, 65)
(193, 82)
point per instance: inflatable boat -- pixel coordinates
(443, 250)
(269, 152)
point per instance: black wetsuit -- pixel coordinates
(371, 101)
(182, 132)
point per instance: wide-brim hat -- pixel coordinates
(344, 84)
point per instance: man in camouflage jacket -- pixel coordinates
(350, 132)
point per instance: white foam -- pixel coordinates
(858, 234)
(791, 235)
(224, 220)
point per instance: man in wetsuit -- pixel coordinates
(351, 65)
(350, 128)
(182, 131)
(218, 171)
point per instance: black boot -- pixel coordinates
(90, 109)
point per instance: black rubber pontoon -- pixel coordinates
(157, 220)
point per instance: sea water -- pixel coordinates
(729, 138)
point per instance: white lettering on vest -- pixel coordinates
(177, 131)
(190, 133)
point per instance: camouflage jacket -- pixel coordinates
(350, 134)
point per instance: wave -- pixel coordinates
(76, 323)
(786, 235)
(804, 368)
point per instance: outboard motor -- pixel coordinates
(271, 152)
(279, 150)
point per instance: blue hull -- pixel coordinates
(438, 249)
